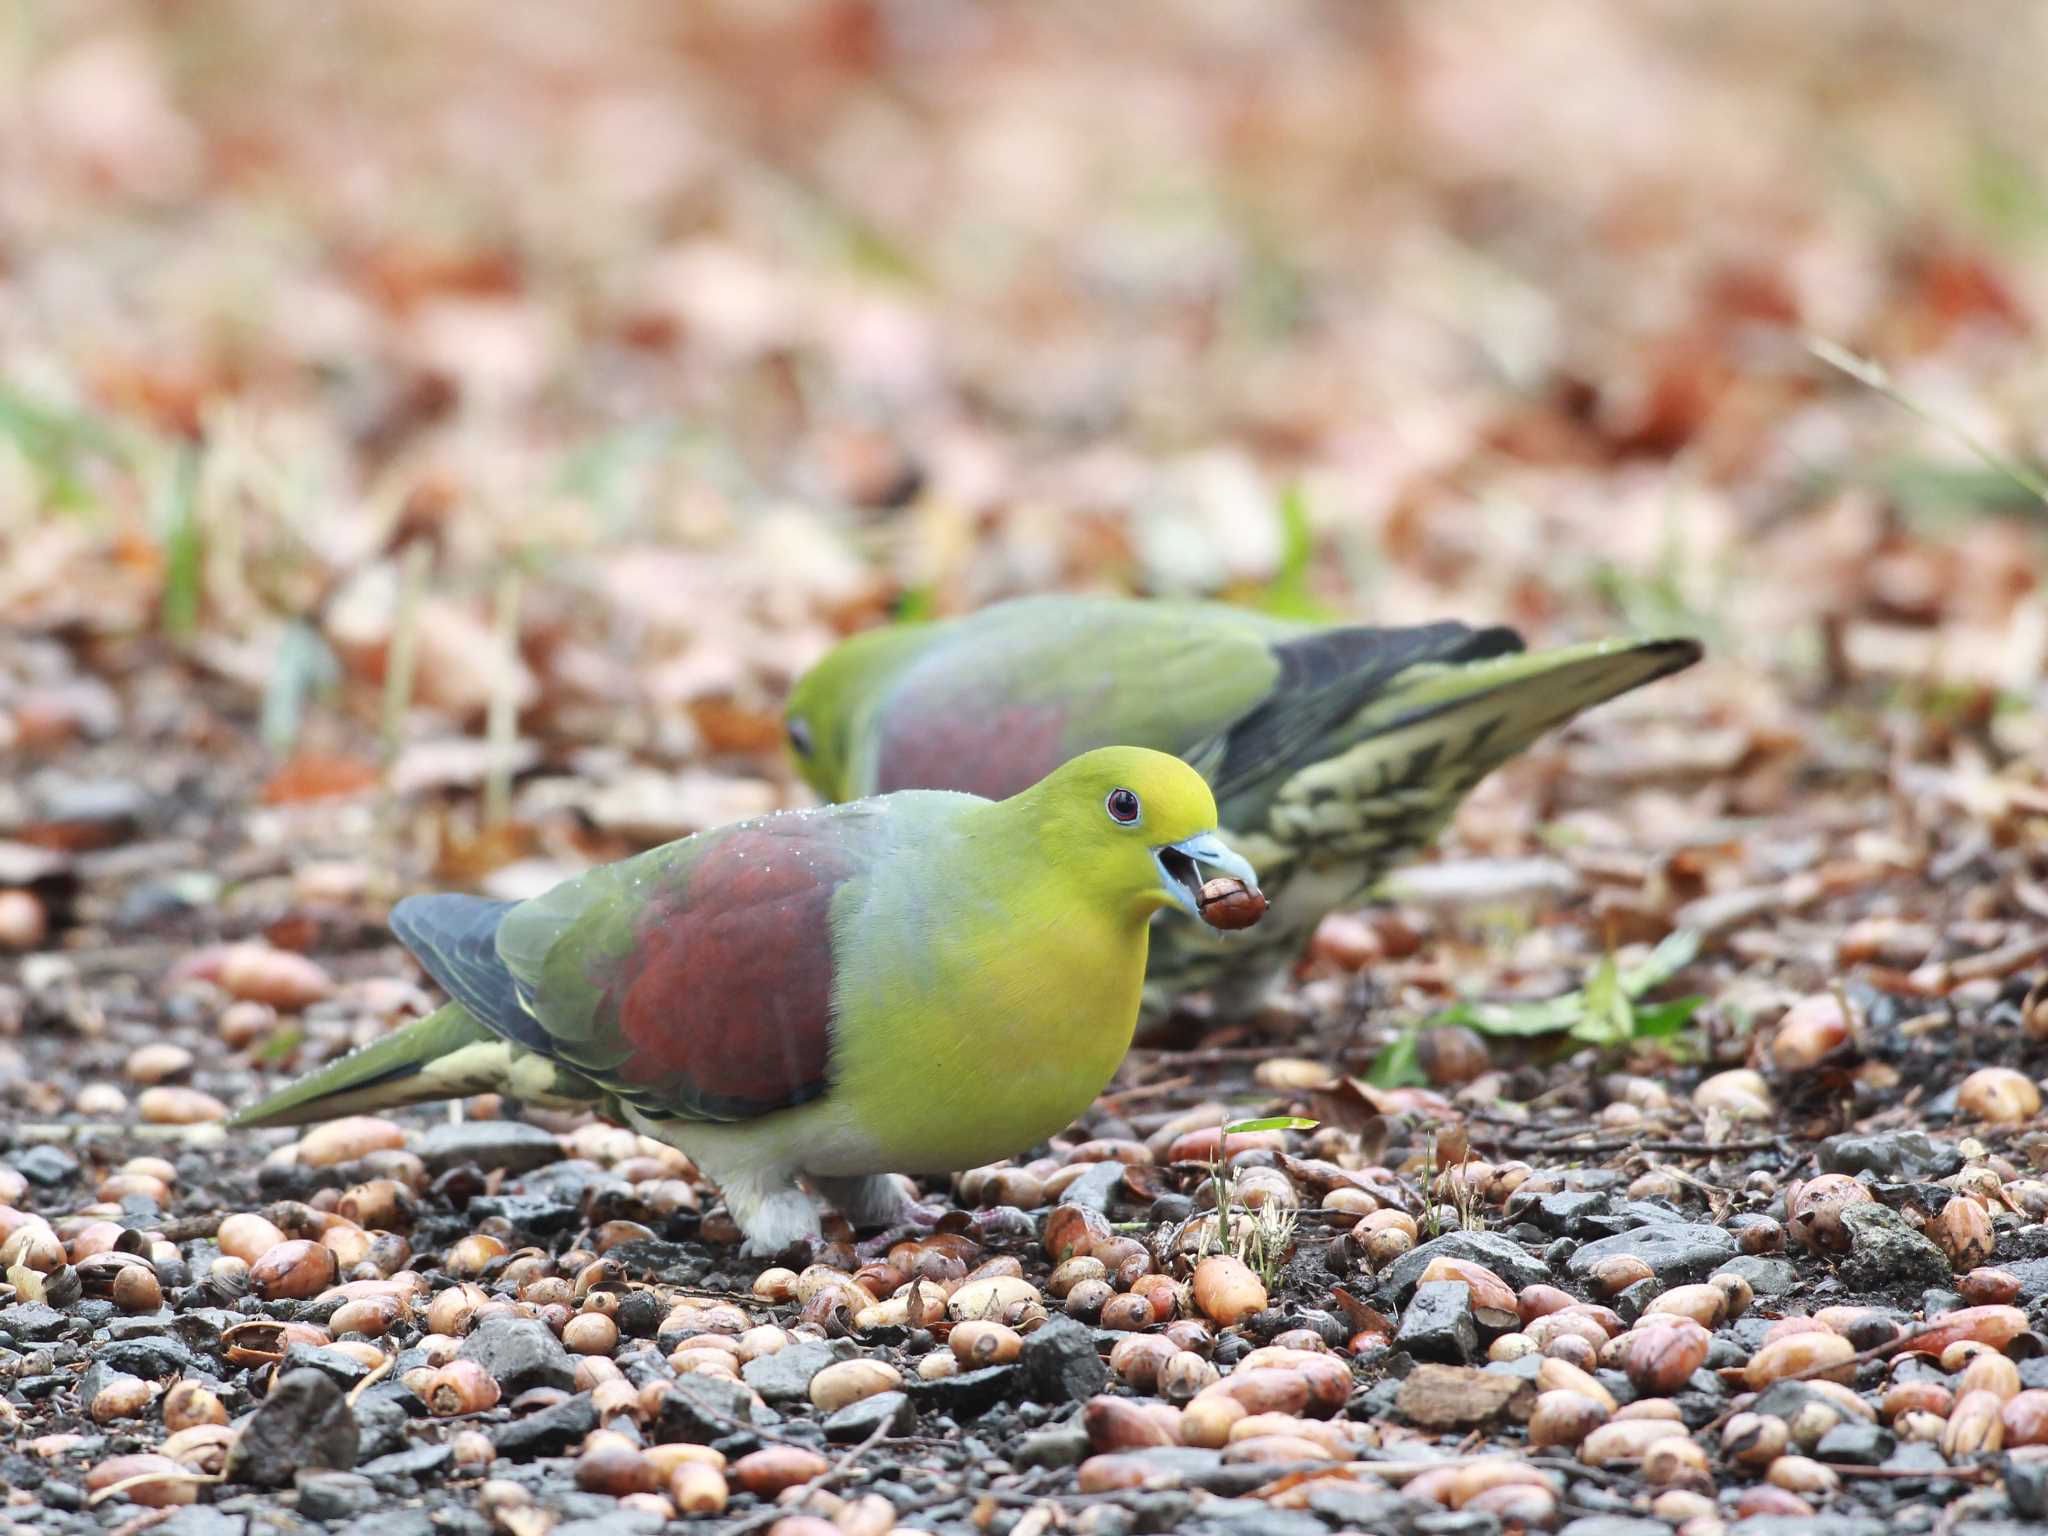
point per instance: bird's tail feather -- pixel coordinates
(1437, 730)
(1528, 692)
(443, 1056)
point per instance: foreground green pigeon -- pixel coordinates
(1334, 753)
(916, 983)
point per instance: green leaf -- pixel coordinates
(1673, 955)
(282, 1044)
(1397, 1065)
(1287, 595)
(183, 545)
(1271, 1123)
(1603, 1012)
(301, 667)
(1661, 1019)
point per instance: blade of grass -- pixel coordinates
(501, 724)
(404, 653)
(1874, 375)
(178, 516)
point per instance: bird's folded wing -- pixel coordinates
(999, 700)
(694, 981)
(1322, 680)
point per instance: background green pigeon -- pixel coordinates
(916, 983)
(1334, 753)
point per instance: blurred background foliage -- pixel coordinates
(682, 339)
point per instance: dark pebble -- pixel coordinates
(705, 1408)
(1096, 1189)
(416, 1462)
(380, 1426)
(343, 1370)
(304, 1423)
(1856, 1442)
(785, 1376)
(521, 1354)
(1059, 1364)
(1504, 1258)
(1438, 1323)
(1561, 1212)
(45, 1165)
(886, 1413)
(1676, 1254)
(967, 1395)
(1767, 1274)
(1064, 1445)
(1895, 1155)
(1886, 1255)
(1255, 1517)
(510, 1144)
(1170, 1208)
(336, 1495)
(550, 1432)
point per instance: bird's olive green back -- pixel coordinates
(993, 702)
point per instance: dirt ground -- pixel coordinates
(434, 438)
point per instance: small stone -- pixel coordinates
(336, 1495)
(1856, 1442)
(552, 1431)
(510, 1144)
(706, 1408)
(1095, 1189)
(1445, 1397)
(45, 1165)
(1061, 1445)
(1615, 1525)
(417, 1462)
(35, 1322)
(521, 1354)
(304, 1423)
(785, 1376)
(1059, 1364)
(380, 1426)
(1897, 1155)
(2026, 1484)
(1677, 1254)
(965, 1395)
(887, 1413)
(1503, 1256)
(1767, 1276)
(344, 1370)
(1438, 1323)
(1255, 1517)
(1885, 1254)
(1359, 1509)
(1560, 1212)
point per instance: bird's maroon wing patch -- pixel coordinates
(933, 743)
(724, 1002)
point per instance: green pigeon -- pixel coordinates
(915, 983)
(1334, 753)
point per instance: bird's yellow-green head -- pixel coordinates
(823, 719)
(1132, 826)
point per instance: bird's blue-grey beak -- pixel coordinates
(1180, 874)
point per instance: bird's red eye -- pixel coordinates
(1122, 806)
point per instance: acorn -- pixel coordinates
(460, 1386)
(297, 1269)
(850, 1381)
(1228, 903)
(1226, 1290)
(590, 1333)
(615, 1466)
(766, 1472)
(189, 1403)
(979, 1343)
